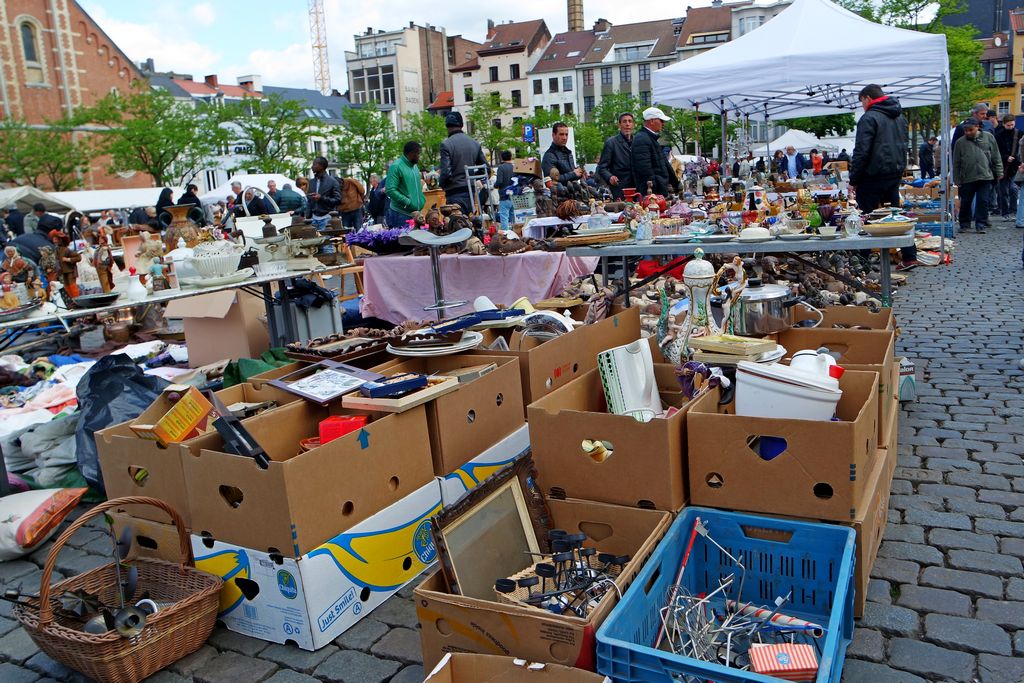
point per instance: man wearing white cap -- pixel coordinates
(649, 161)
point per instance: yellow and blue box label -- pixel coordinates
(314, 599)
(469, 476)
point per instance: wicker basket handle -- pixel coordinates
(187, 560)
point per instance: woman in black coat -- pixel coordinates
(166, 199)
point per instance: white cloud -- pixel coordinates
(167, 44)
(204, 14)
(291, 66)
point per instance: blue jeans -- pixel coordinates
(1020, 211)
(506, 214)
(352, 219)
(320, 223)
(393, 219)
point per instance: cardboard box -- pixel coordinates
(312, 600)
(908, 380)
(303, 499)
(527, 167)
(821, 474)
(221, 325)
(462, 667)
(249, 393)
(849, 315)
(466, 422)
(455, 623)
(150, 539)
(872, 515)
(553, 364)
(870, 350)
(166, 421)
(500, 455)
(139, 467)
(647, 467)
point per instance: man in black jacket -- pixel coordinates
(647, 157)
(559, 156)
(458, 152)
(1006, 191)
(324, 194)
(926, 157)
(880, 157)
(614, 168)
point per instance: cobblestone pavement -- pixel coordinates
(947, 599)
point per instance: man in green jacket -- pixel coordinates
(404, 187)
(976, 163)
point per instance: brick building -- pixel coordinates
(54, 59)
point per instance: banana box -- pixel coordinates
(469, 476)
(312, 600)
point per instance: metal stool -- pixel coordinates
(435, 243)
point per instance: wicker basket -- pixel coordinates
(170, 634)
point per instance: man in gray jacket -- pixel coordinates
(458, 152)
(976, 162)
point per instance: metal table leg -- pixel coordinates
(268, 302)
(289, 322)
(885, 265)
(625, 280)
(604, 271)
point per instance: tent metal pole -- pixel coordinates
(947, 168)
(725, 150)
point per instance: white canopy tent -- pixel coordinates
(257, 180)
(802, 141)
(775, 72)
(26, 197)
(99, 200)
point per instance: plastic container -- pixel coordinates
(339, 425)
(815, 561)
(778, 391)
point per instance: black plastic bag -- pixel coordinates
(112, 391)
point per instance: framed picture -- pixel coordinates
(325, 381)
(494, 531)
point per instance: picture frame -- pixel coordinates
(506, 515)
(325, 381)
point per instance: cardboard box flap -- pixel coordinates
(212, 305)
(462, 667)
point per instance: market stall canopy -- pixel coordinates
(777, 71)
(802, 141)
(98, 200)
(257, 180)
(25, 197)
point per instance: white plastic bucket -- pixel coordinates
(776, 393)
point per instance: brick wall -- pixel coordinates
(79, 65)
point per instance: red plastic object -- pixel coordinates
(340, 425)
(649, 267)
(836, 371)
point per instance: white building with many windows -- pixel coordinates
(554, 82)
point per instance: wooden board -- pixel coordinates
(438, 387)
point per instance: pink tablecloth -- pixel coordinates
(398, 287)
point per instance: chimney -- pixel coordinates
(211, 81)
(575, 11)
(490, 28)
(369, 30)
(716, 3)
(602, 25)
(252, 82)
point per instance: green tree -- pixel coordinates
(50, 156)
(606, 114)
(367, 143)
(150, 132)
(484, 120)
(275, 131)
(589, 142)
(685, 126)
(821, 126)
(428, 130)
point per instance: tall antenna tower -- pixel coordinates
(318, 37)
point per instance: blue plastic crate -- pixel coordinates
(816, 561)
(937, 228)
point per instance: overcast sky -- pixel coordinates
(232, 38)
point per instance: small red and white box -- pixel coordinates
(788, 662)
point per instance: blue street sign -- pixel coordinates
(528, 132)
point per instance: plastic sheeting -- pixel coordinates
(114, 390)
